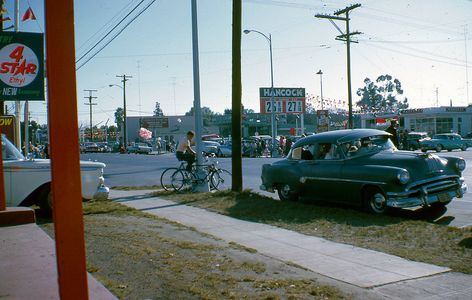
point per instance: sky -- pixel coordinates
(421, 43)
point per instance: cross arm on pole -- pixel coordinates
(321, 16)
(347, 9)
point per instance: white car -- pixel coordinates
(28, 181)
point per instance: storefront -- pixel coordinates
(431, 120)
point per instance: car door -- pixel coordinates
(319, 176)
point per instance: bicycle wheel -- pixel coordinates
(182, 180)
(220, 179)
(166, 178)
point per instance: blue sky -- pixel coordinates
(422, 43)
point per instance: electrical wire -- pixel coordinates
(110, 31)
(116, 16)
(116, 35)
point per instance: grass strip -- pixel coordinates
(418, 240)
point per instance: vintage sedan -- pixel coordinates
(363, 167)
(28, 181)
(444, 141)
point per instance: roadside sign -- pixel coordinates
(323, 120)
(286, 100)
(21, 66)
(7, 124)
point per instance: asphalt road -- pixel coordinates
(138, 170)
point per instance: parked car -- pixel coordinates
(90, 147)
(444, 141)
(363, 167)
(139, 148)
(28, 181)
(413, 140)
(103, 147)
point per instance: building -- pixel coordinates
(431, 120)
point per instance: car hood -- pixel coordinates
(420, 165)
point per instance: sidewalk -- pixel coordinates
(388, 276)
(28, 266)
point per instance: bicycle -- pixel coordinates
(180, 179)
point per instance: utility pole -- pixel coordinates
(124, 78)
(466, 66)
(90, 104)
(345, 37)
(17, 102)
(437, 97)
(236, 103)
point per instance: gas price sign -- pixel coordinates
(286, 100)
(21, 66)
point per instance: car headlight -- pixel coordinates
(403, 176)
(460, 164)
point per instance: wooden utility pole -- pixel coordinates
(90, 104)
(346, 37)
(124, 78)
(236, 159)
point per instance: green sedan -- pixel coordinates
(363, 167)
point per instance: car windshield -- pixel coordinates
(9, 151)
(367, 145)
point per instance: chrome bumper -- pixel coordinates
(264, 188)
(424, 199)
(101, 193)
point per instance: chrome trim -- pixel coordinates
(421, 182)
(305, 178)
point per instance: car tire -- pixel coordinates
(411, 148)
(374, 201)
(423, 150)
(286, 193)
(438, 148)
(219, 153)
(464, 148)
(45, 201)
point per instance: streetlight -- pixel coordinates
(125, 141)
(321, 83)
(272, 102)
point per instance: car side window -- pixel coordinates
(297, 153)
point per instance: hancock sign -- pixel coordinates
(21, 66)
(286, 100)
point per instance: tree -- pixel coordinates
(158, 111)
(207, 114)
(119, 117)
(382, 95)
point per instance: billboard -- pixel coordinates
(286, 100)
(21, 66)
(7, 126)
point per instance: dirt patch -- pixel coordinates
(138, 256)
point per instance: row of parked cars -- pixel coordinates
(438, 142)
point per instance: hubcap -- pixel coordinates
(378, 202)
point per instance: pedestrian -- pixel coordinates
(184, 150)
(288, 146)
(392, 129)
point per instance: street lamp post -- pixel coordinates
(125, 140)
(321, 83)
(272, 102)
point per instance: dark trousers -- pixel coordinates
(188, 157)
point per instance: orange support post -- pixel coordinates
(64, 141)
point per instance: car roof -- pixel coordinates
(339, 136)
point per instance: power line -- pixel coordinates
(105, 25)
(116, 35)
(109, 32)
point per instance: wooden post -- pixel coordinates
(64, 142)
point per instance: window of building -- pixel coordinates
(424, 125)
(444, 125)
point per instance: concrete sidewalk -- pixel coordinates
(28, 266)
(388, 275)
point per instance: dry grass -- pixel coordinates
(139, 256)
(397, 234)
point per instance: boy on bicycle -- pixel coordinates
(184, 150)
